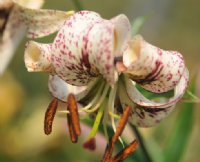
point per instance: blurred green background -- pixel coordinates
(172, 24)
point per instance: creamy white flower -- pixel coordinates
(98, 61)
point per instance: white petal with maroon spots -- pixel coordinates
(84, 48)
(68, 55)
(101, 51)
(60, 89)
(36, 20)
(154, 69)
(137, 97)
(142, 116)
(37, 57)
(147, 117)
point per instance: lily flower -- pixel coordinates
(20, 17)
(98, 62)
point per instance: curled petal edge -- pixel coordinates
(143, 116)
(60, 89)
(139, 99)
(162, 69)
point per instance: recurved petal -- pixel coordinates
(143, 116)
(136, 96)
(154, 69)
(148, 117)
(60, 89)
(37, 57)
(41, 22)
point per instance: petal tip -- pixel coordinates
(36, 57)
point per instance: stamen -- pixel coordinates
(122, 122)
(73, 109)
(91, 85)
(113, 115)
(73, 118)
(49, 116)
(73, 135)
(122, 155)
(111, 104)
(95, 99)
(63, 112)
(102, 98)
(111, 98)
(105, 129)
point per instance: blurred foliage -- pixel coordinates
(11, 97)
(178, 140)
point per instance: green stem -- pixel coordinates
(142, 145)
(78, 5)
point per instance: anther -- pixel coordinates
(73, 118)
(49, 116)
(127, 151)
(121, 125)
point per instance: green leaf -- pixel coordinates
(178, 140)
(151, 95)
(138, 23)
(191, 97)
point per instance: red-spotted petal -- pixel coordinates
(147, 117)
(85, 48)
(136, 96)
(60, 89)
(142, 116)
(154, 69)
(37, 57)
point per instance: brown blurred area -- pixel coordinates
(173, 25)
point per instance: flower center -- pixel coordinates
(102, 104)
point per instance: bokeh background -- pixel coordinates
(172, 24)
